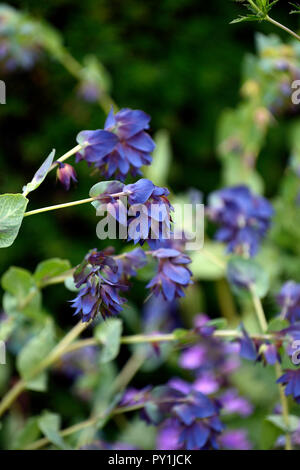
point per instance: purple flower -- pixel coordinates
(97, 276)
(244, 218)
(234, 404)
(193, 357)
(173, 274)
(289, 300)
(65, 173)
(248, 349)
(122, 147)
(168, 435)
(193, 415)
(133, 396)
(149, 213)
(291, 379)
(160, 315)
(235, 440)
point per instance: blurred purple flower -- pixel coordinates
(173, 274)
(234, 404)
(235, 440)
(244, 218)
(289, 300)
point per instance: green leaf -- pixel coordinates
(28, 434)
(70, 284)
(297, 11)
(158, 171)
(100, 188)
(18, 282)
(207, 264)
(40, 175)
(49, 424)
(6, 328)
(22, 294)
(243, 274)
(269, 435)
(181, 334)
(242, 19)
(33, 353)
(50, 268)
(108, 334)
(277, 324)
(218, 323)
(279, 422)
(12, 209)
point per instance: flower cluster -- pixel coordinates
(122, 147)
(147, 217)
(173, 274)
(193, 417)
(243, 216)
(20, 46)
(97, 278)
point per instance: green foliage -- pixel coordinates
(260, 8)
(12, 209)
(246, 274)
(159, 170)
(29, 433)
(22, 294)
(49, 269)
(49, 424)
(32, 354)
(108, 333)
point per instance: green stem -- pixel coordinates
(67, 155)
(70, 204)
(139, 339)
(83, 425)
(59, 206)
(284, 28)
(283, 399)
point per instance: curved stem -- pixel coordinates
(284, 28)
(54, 355)
(83, 425)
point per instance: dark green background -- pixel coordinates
(179, 60)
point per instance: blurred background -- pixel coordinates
(219, 97)
(178, 60)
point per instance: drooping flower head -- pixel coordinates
(243, 216)
(149, 213)
(291, 380)
(97, 278)
(173, 274)
(289, 300)
(65, 174)
(122, 147)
